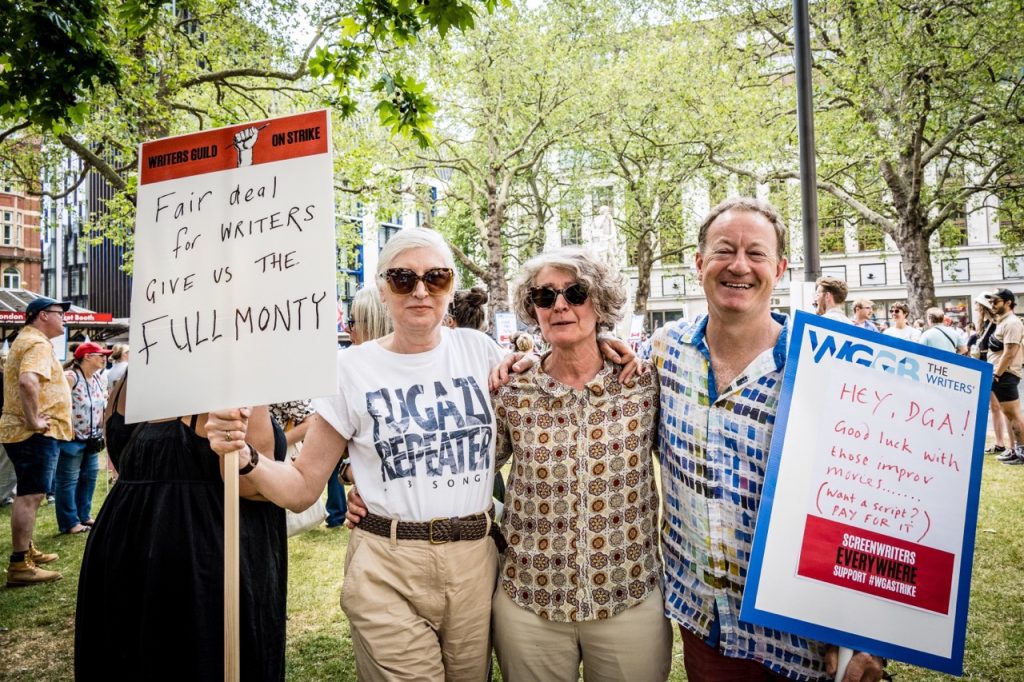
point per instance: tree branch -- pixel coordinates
(939, 145)
(10, 131)
(101, 166)
(833, 189)
(466, 261)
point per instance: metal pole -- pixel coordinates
(58, 254)
(805, 128)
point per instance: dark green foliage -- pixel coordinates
(56, 52)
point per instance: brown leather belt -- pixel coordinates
(436, 531)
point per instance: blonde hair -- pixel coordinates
(118, 351)
(370, 314)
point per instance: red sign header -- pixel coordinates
(252, 143)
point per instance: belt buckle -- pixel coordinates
(430, 531)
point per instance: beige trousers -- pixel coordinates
(419, 611)
(634, 646)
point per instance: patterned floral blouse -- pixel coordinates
(581, 505)
(88, 400)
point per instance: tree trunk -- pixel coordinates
(497, 287)
(917, 265)
(644, 263)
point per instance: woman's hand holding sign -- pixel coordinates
(226, 431)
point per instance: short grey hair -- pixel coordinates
(370, 314)
(935, 315)
(605, 287)
(416, 238)
(750, 205)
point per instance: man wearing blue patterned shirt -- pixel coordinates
(720, 381)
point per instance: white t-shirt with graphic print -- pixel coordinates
(420, 426)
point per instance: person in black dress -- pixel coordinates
(151, 593)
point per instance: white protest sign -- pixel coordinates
(636, 328)
(504, 327)
(234, 294)
(865, 533)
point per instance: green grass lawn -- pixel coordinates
(37, 622)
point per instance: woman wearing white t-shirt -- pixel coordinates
(414, 412)
(900, 329)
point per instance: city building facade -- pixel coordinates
(91, 274)
(20, 248)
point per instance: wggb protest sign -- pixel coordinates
(234, 295)
(865, 534)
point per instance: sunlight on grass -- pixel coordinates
(37, 643)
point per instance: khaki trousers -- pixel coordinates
(634, 646)
(419, 612)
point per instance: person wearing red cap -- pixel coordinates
(78, 463)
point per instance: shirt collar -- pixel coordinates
(604, 383)
(695, 333)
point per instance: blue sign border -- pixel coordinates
(751, 614)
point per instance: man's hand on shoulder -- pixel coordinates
(514, 363)
(617, 351)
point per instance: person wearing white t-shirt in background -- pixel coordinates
(900, 329)
(414, 412)
(829, 297)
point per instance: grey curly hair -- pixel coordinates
(607, 290)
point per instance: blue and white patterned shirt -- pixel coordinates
(714, 452)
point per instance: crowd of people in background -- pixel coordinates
(996, 338)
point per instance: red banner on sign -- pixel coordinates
(876, 564)
(216, 150)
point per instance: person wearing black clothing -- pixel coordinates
(153, 572)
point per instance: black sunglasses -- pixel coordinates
(545, 297)
(403, 280)
(350, 322)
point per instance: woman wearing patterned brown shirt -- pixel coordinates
(580, 581)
